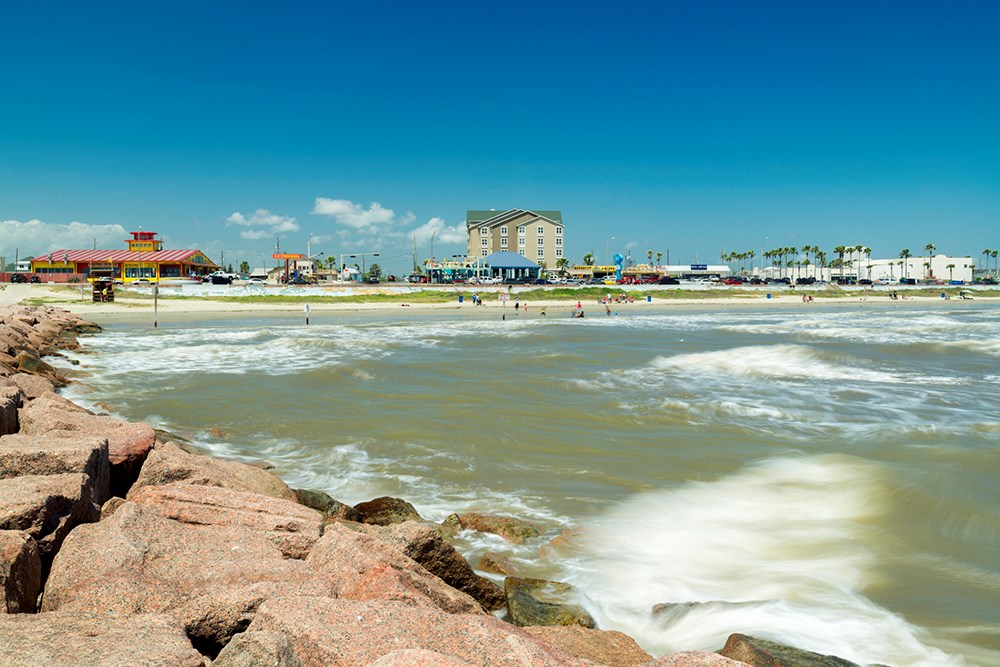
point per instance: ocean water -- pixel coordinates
(823, 476)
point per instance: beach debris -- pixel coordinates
(763, 653)
(385, 510)
(604, 647)
(542, 602)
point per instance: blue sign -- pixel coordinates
(699, 267)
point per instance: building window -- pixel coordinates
(482, 231)
(558, 252)
(541, 241)
(521, 251)
(484, 242)
(541, 252)
(520, 229)
(521, 242)
(541, 230)
(503, 231)
(558, 231)
(559, 241)
(503, 242)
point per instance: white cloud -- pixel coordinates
(266, 224)
(444, 233)
(36, 237)
(356, 216)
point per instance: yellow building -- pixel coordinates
(144, 258)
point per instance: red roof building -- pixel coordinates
(144, 257)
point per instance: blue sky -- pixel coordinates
(692, 127)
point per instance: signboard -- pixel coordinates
(287, 255)
(699, 267)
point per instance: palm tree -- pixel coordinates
(905, 255)
(588, 259)
(986, 256)
(561, 265)
(994, 256)
(659, 256)
(951, 268)
(649, 254)
(930, 251)
(868, 255)
(840, 250)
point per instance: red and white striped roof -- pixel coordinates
(160, 256)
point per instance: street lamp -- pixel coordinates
(362, 255)
(607, 249)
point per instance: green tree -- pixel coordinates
(374, 272)
(930, 251)
(951, 270)
(561, 265)
(649, 254)
(244, 267)
(840, 250)
(588, 259)
(868, 255)
(659, 256)
(905, 255)
(994, 256)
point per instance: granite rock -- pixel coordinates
(20, 572)
(258, 649)
(606, 647)
(386, 510)
(58, 452)
(763, 653)
(514, 530)
(541, 602)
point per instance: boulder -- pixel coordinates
(58, 452)
(332, 510)
(385, 510)
(425, 545)
(541, 602)
(210, 578)
(67, 639)
(128, 442)
(10, 403)
(32, 386)
(364, 567)
(20, 572)
(333, 633)
(292, 528)
(763, 653)
(515, 531)
(418, 657)
(491, 561)
(695, 659)
(169, 463)
(28, 362)
(607, 647)
(47, 507)
(258, 649)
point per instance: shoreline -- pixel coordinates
(134, 307)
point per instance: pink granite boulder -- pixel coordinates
(425, 545)
(10, 402)
(211, 578)
(695, 659)
(58, 452)
(258, 649)
(292, 528)
(20, 572)
(169, 463)
(128, 442)
(32, 386)
(365, 567)
(331, 633)
(69, 639)
(47, 507)
(418, 657)
(606, 647)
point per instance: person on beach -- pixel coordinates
(543, 311)
(607, 308)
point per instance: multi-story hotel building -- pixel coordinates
(535, 235)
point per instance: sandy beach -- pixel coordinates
(132, 305)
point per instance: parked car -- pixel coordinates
(732, 281)
(35, 279)
(390, 278)
(805, 281)
(18, 278)
(667, 280)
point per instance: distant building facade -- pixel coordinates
(538, 236)
(143, 258)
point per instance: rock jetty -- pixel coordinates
(119, 546)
